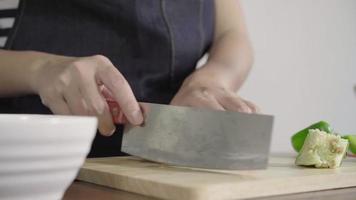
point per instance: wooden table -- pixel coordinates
(83, 191)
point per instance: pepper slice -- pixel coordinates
(299, 137)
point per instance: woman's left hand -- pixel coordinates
(207, 88)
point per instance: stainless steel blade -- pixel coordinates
(200, 138)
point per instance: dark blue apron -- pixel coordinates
(155, 44)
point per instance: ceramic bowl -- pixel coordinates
(40, 155)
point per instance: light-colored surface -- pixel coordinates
(40, 155)
(152, 179)
(305, 63)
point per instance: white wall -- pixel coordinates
(305, 64)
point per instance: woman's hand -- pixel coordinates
(230, 60)
(73, 86)
(207, 88)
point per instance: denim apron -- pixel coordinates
(155, 44)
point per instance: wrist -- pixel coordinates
(39, 67)
(210, 75)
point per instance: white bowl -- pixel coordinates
(40, 155)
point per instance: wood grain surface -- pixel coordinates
(169, 182)
(87, 191)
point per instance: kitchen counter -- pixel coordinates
(281, 177)
(83, 191)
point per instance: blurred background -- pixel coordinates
(305, 64)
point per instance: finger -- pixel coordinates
(145, 109)
(254, 108)
(211, 103)
(97, 106)
(122, 94)
(122, 119)
(106, 93)
(75, 101)
(58, 106)
(234, 103)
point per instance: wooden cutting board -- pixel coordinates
(169, 182)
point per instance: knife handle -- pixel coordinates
(114, 110)
(118, 116)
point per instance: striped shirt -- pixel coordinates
(8, 11)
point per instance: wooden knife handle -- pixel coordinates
(117, 115)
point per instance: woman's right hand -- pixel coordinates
(72, 86)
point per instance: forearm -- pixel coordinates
(232, 56)
(18, 70)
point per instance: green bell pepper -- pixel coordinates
(299, 137)
(352, 142)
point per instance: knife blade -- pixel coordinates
(200, 138)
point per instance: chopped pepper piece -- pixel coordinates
(322, 150)
(299, 137)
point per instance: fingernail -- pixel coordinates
(112, 131)
(136, 117)
(109, 132)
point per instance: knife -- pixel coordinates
(200, 138)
